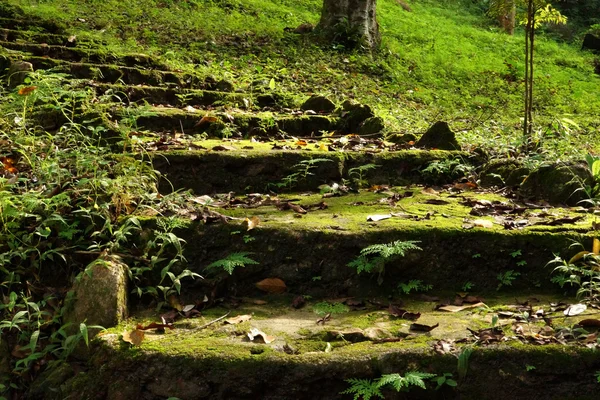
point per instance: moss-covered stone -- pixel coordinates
(371, 126)
(558, 184)
(48, 384)
(319, 104)
(439, 136)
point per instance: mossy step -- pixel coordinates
(12, 35)
(110, 73)
(219, 362)
(12, 20)
(216, 166)
(167, 119)
(302, 247)
(83, 55)
(175, 96)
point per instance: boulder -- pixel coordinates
(353, 116)
(557, 183)
(17, 72)
(439, 136)
(510, 173)
(100, 296)
(371, 126)
(401, 138)
(591, 42)
(319, 104)
(48, 384)
(224, 86)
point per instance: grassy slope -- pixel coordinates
(444, 60)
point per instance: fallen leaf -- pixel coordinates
(252, 222)
(575, 309)
(488, 335)
(258, 302)
(24, 91)
(223, 148)
(453, 309)
(326, 318)
(207, 119)
(436, 202)
(238, 320)
(395, 311)
(135, 337)
(301, 143)
(188, 308)
(422, 328)
(379, 217)
(153, 325)
(589, 323)
(443, 347)
(483, 223)
(259, 336)
(169, 317)
(272, 285)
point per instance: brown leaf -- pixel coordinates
(298, 302)
(589, 323)
(24, 91)
(252, 222)
(135, 337)
(326, 318)
(301, 143)
(238, 320)
(422, 328)
(488, 335)
(207, 119)
(483, 223)
(400, 313)
(169, 317)
(453, 309)
(438, 202)
(259, 336)
(154, 325)
(272, 285)
(443, 347)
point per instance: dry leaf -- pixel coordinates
(301, 143)
(238, 320)
(379, 217)
(207, 119)
(422, 328)
(272, 285)
(24, 91)
(153, 325)
(135, 337)
(298, 302)
(589, 323)
(258, 336)
(396, 311)
(252, 222)
(453, 309)
(575, 309)
(483, 223)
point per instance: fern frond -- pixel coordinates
(363, 388)
(388, 250)
(416, 378)
(398, 382)
(232, 261)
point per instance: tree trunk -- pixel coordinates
(350, 22)
(507, 17)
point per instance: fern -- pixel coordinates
(399, 382)
(388, 250)
(232, 261)
(363, 388)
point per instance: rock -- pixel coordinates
(319, 104)
(100, 296)
(377, 334)
(439, 136)
(557, 183)
(224, 86)
(17, 72)
(503, 173)
(163, 387)
(353, 116)
(401, 138)
(47, 385)
(210, 82)
(591, 42)
(371, 126)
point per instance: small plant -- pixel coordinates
(415, 285)
(597, 375)
(231, 262)
(445, 379)
(581, 271)
(463, 361)
(529, 368)
(372, 259)
(325, 307)
(302, 171)
(357, 174)
(367, 389)
(467, 286)
(506, 278)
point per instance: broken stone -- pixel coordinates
(399, 138)
(100, 296)
(439, 136)
(371, 126)
(319, 104)
(17, 72)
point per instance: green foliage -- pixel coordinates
(372, 259)
(231, 262)
(358, 174)
(366, 389)
(463, 361)
(445, 379)
(415, 285)
(301, 172)
(582, 272)
(506, 278)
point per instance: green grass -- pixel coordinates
(445, 60)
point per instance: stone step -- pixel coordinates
(20, 36)
(215, 166)
(306, 360)
(75, 54)
(309, 243)
(14, 20)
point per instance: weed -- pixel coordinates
(231, 262)
(506, 278)
(445, 379)
(581, 271)
(358, 174)
(301, 172)
(372, 259)
(467, 286)
(414, 285)
(463, 361)
(366, 389)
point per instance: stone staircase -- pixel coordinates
(246, 154)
